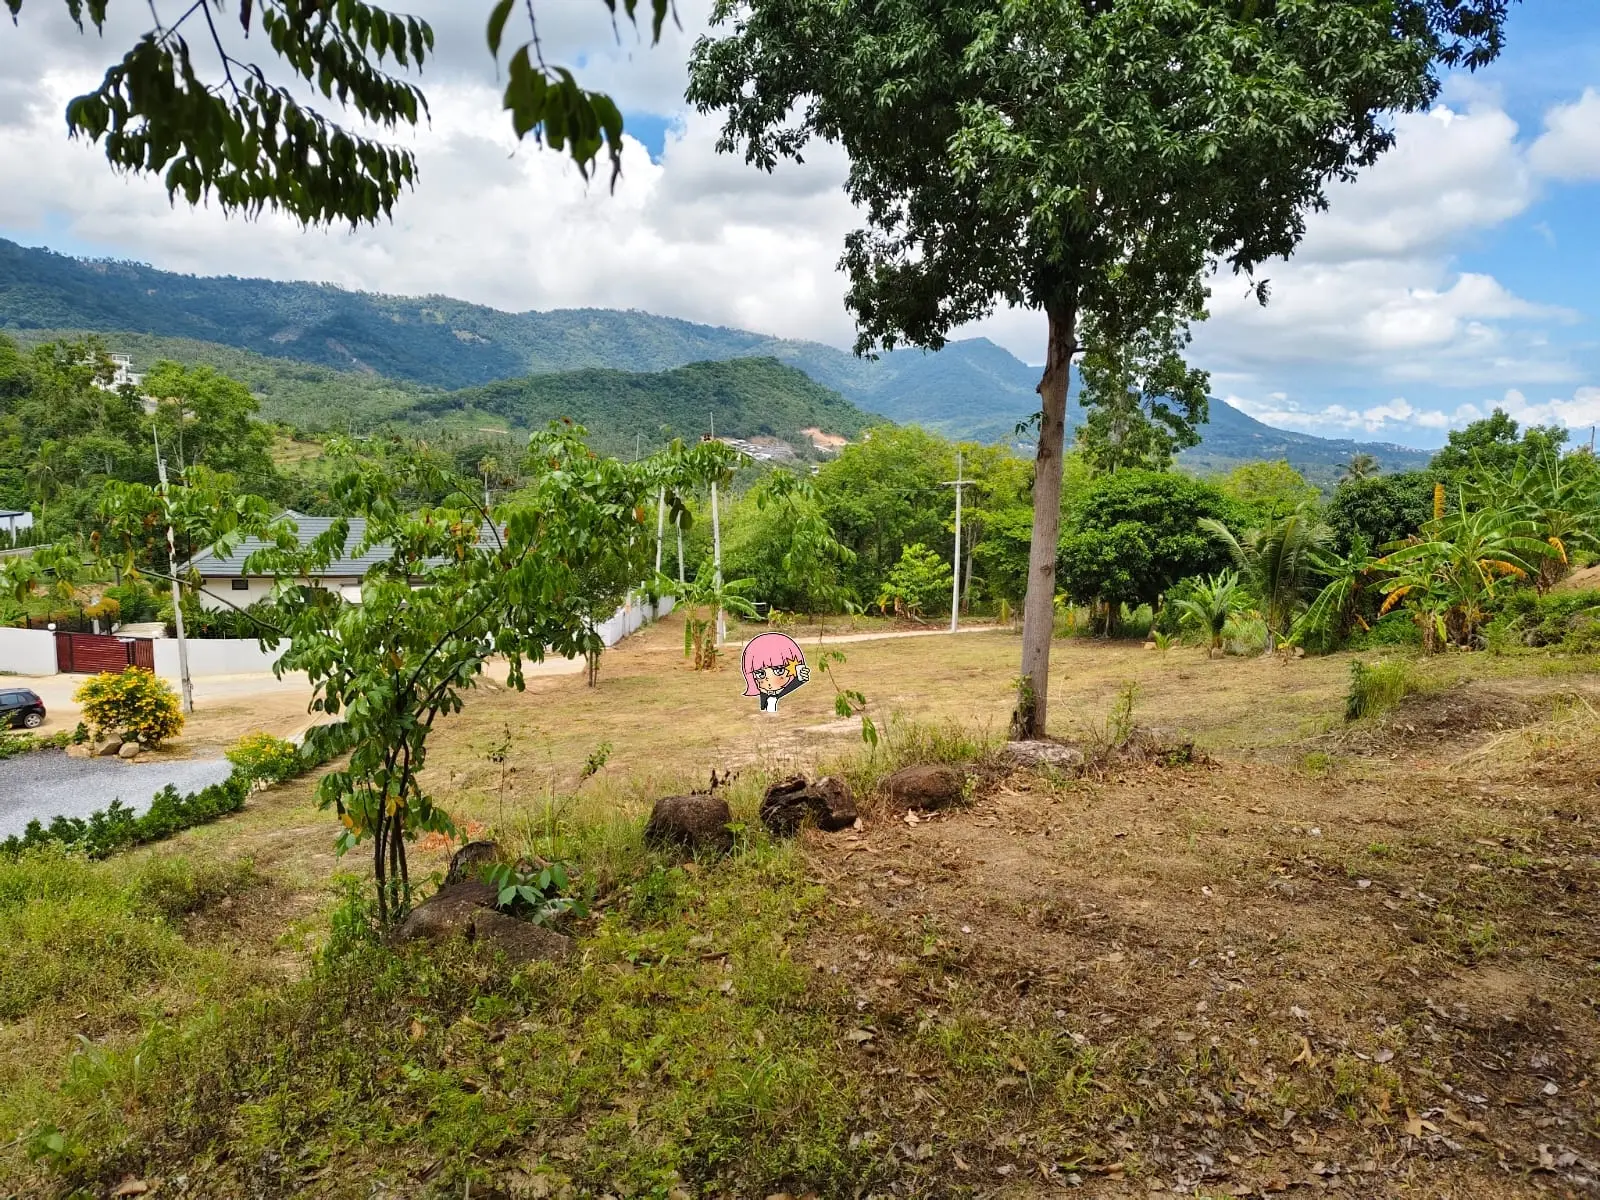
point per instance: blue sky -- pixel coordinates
(1457, 275)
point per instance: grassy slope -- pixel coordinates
(1073, 978)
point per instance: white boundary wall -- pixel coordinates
(27, 652)
(216, 656)
(631, 617)
(33, 651)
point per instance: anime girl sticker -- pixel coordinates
(773, 666)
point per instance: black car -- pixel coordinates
(20, 708)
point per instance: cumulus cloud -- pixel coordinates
(1569, 148)
(1374, 305)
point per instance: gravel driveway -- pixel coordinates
(46, 783)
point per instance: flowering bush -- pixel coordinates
(135, 704)
(262, 757)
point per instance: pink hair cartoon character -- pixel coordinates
(773, 666)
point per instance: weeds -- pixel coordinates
(1377, 687)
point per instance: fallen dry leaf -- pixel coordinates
(1305, 1055)
(131, 1187)
(911, 819)
(859, 1035)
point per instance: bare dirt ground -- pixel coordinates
(1376, 978)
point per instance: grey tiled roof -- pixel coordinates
(307, 529)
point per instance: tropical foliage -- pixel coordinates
(1278, 561)
(1211, 605)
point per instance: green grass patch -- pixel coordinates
(1378, 686)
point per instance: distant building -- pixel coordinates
(13, 521)
(125, 374)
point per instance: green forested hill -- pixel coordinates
(369, 357)
(745, 397)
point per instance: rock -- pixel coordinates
(1216, 652)
(1150, 646)
(793, 802)
(469, 861)
(1045, 754)
(697, 822)
(129, 750)
(926, 786)
(80, 750)
(107, 746)
(466, 909)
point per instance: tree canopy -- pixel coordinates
(1071, 156)
(1136, 533)
(246, 140)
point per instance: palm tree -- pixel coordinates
(1361, 466)
(1276, 561)
(1215, 602)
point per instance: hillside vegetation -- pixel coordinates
(749, 397)
(971, 389)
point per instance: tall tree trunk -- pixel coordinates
(1038, 609)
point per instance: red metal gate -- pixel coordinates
(91, 653)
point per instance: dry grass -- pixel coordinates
(1303, 967)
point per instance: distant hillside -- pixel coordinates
(970, 389)
(746, 397)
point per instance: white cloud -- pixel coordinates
(1374, 304)
(1569, 148)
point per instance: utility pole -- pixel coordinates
(172, 570)
(955, 583)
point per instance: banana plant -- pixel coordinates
(1336, 608)
(1448, 576)
(1559, 499)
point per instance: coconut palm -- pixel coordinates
(1361, 466)
(1276, 562)
(1214, 603)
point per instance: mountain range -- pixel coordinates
(316, 352)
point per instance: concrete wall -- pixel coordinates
(27, 652)
(216, 656)
(631, 617)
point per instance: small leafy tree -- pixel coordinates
(1144, 402)
(812, 556)
(136, 704)
(918, 582)
(453, 585)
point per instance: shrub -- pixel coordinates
(260, 757)
(135, 704)
(136, 601)
(116, 827)
(1380, 686)
(1570, 620)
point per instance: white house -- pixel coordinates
(225, 584)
